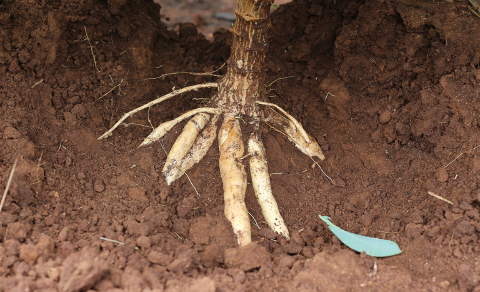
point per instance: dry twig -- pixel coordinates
(440, 198)
(8, 185)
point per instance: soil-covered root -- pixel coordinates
(199, 149)
(234, 178)
(183, 144)
(163, 129)
(291, 128)
(262, 187)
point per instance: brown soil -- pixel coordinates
(390, 90)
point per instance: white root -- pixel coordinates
(182, 145)
(199, 148)
(158, 100)
(262, 187)
(294, 131)
(234, 179)
(292, 119)
(161, 130)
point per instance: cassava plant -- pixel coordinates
(240, 104)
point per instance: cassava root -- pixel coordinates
(240, 94)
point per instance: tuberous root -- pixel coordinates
(234, 179)
(197, 152)
(294, 131)
(262, 187)
(161, 130)
(182, 145)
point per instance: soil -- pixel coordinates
(390, 90)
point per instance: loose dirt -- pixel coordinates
(390, 90)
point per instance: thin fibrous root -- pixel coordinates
(183, 144)
(293, 130)
(234, 178)
(199, 149)
(262, 187)
(161, 130)
(153, 102)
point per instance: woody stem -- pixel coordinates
(243, 83)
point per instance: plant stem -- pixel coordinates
(244, 82)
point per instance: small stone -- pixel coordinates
(11, 133)
(144, 242)
(441, 174)
(28, 253)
